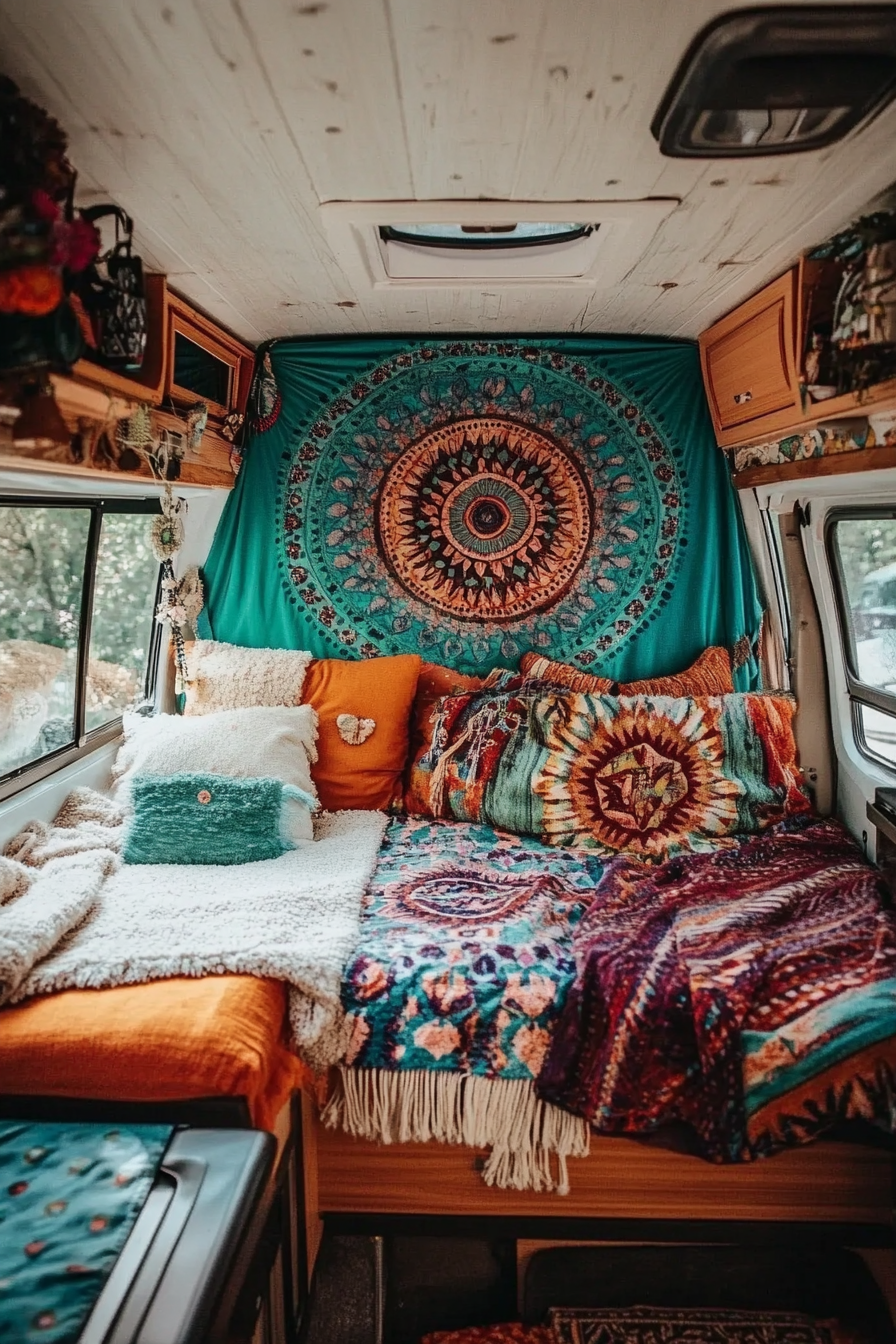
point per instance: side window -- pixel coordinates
(862, 554)
(78, 586)
(121, 627)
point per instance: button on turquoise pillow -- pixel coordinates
(213, 819)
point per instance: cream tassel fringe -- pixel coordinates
(501, 1114)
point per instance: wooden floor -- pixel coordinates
(823, 1182)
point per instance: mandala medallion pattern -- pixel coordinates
(640, 781)
(485, 520)
(474, 500)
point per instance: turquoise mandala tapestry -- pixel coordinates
(472, 500)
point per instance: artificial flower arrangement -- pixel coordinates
(44, 242)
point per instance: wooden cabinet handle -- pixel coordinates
(741, 398)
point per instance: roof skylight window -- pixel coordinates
(482, 236)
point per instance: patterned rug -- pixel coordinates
(672, 1325)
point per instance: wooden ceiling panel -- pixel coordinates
(330, 67)
(220, 125)
(535, 99)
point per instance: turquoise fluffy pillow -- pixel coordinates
(211, 819)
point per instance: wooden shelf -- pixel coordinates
(880, 397)
(835, 464)
(93, 397)
(83, 401)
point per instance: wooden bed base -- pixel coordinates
(830, 1183)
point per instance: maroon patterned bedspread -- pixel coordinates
(750, 994)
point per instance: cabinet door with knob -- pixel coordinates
(750, 365)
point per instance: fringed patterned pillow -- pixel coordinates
(434, 683)
(539, 668)
(710, 675)
(646, 776)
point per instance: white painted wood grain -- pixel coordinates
(210, 122)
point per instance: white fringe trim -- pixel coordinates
(504, 1115)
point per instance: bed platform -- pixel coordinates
(841, 1190)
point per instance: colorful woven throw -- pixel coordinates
(750, 994)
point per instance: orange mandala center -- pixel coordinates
(485, 518)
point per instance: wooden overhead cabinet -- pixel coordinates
(750, 366)
(205, 363)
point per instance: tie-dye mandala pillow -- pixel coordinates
(646, 776)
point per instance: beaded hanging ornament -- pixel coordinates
(182, 599)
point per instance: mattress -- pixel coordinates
(170, 1040)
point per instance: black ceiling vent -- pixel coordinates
(779, 80)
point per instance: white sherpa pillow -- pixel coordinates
(228, 676)
(255, 743)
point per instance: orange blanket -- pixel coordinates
(165, 1041)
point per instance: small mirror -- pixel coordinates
(197, 370)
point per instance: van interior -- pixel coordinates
(447, 672)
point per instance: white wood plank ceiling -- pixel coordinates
(221, 125)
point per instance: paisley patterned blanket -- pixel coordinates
(750, 993)
(466, 949)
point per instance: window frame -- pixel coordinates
(860, 693)
(771, 526)
(85, 741)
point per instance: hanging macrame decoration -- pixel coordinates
(182, 599)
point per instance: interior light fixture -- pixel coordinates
(779, 80)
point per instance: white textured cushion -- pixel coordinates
(228, 676)
(259, 742)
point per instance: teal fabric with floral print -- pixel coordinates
(69, 1196)
(476, 499)
(465, 954)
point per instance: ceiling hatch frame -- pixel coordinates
(622, 231)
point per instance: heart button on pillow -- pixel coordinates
(353, 730)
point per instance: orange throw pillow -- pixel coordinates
(709, 675)
(435, 681)
(364, 771)
(537, 668)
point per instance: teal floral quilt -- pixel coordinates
(465, 955)
(69, 1195)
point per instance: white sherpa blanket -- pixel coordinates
(295, 918)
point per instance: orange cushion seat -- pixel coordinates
(170, 1040)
